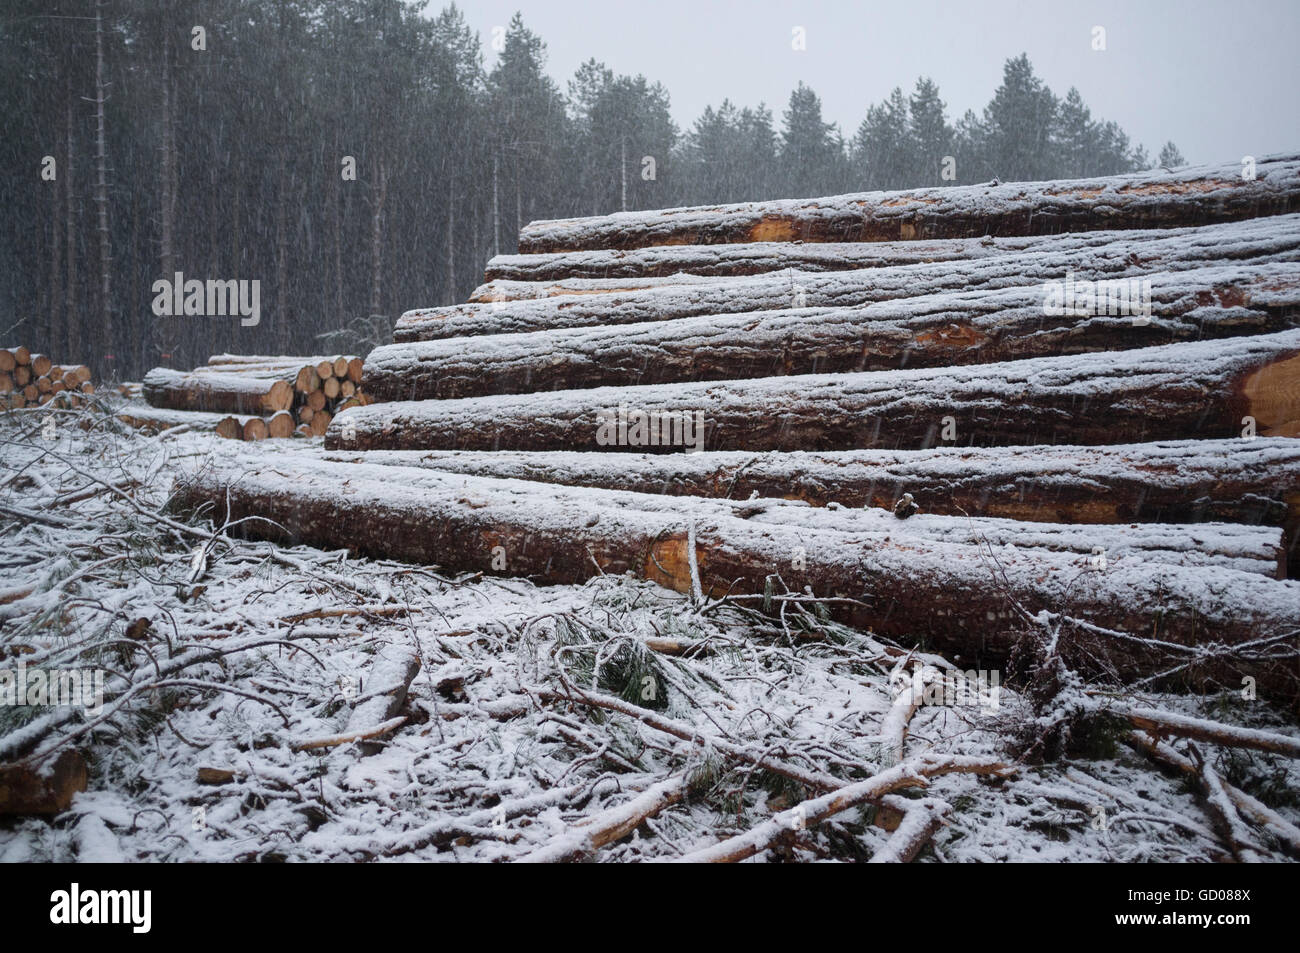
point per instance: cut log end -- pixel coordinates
(1272, 397)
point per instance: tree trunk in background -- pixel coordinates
(281, 264)
(377, 237)
(496, 208)
(451, 239)
(98, 337)
(55, 337)
(338, 234)
(72, 322)
(166, 329)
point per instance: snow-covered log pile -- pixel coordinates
(1061, 377)
(33, 380)
(939, 330)
(251, 397)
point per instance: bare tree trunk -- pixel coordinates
(55, 339)
(281, 265)
(97, 337)
(496, 208)
(377, 236)
(167, 329)
(70, 240)
(622, 168)
(338, 236)
(451, 240)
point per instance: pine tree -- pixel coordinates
(931, 138)
(812, 152)
(1170, 157)
(1018, 125)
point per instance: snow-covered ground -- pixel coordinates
(539, 718)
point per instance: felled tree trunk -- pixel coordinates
(1194, 196)
(1205, 389)
(946, 594)
(230, 393)
(510, 277)
(1234, 480)
(1255, 549)
(938, 330)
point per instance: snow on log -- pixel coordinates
(1196, 195)
(382, 694)
(215, 391)
(1245, 548)
(1203, 389)
(155, 420)
(1180, 481)
(944, 593)
(591, 303)
(45, 790)
(933, 330)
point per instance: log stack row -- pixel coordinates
(1090, 389)
(252, 397)
(33, 380)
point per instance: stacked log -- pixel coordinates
(34, 380)
(930, 330)
(514, 277)
(1179, 481)
(516, 307)
(257, 396)
(1198, 195)
(1203, 389)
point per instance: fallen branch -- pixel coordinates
(611, 824)
(910, 773)
(921, 819)
(1160, 723)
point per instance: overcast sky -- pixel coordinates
(1221, 79)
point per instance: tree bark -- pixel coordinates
(1204, 389)
(939, 330)
(1158, 199)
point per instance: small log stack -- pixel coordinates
(252, 397)
(34, 380)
